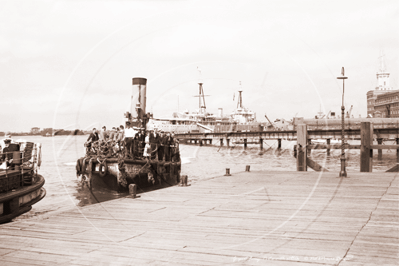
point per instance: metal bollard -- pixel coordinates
(227, 172)
(247, 168)
(133, 190)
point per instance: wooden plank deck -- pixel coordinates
(255, 218)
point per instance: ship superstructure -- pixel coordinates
(203, 121)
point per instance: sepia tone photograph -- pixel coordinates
(187, 132)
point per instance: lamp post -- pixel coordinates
(342, 173)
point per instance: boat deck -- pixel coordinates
(249, 218)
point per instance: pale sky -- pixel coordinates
(69, 64)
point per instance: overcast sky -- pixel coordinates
(69, 64)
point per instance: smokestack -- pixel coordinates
(220, 112)
(139, 96)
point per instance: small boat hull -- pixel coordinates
(20, 200)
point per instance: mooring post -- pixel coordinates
(200, 142)
(261, 143)
(245, 144)
(366, 153)
(210, 142)
(397, 151)
(379, 141)
(328, 150)
(133, 190)
(221, 142)
(279, 144)
(302, 137)
(228, 142)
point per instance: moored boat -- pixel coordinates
(20, 184)
(107, 163)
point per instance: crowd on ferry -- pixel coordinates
(134, 143)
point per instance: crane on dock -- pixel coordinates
(348, 114)
(270, 121)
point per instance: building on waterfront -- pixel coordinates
(383, 101)
(387, 104)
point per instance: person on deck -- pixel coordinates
(120, 137)
(138, 142)
(116, 135)
(103, 134)
(175, 153)
(129, 135)
(93, 137)
(147, 147)
(154, 142)
(142, 140)
(112, 134)
(161, 148)
(167, 146)
(135, 142)
(8, 152)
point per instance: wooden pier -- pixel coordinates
(353, 132)
(249, 218)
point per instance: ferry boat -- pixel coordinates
(20, 186)
(118, 172)
(241, 119)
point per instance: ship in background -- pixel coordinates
(241, 119)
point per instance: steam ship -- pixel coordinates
(241, 119)
(120, 170)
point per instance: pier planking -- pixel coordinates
(249, 218)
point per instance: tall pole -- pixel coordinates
(342, 173)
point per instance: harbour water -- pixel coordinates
(63, 190)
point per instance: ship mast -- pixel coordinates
(239, 103)
(201, 96)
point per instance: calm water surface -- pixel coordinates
(63, 191)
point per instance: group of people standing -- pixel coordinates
(135, 143)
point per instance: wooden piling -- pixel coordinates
(200, 142)
(302, 136)
(228, 142)
(397, 151)
(279, 144)
(221, 142)
(328, 150)
(245, 144)
(366, 153)
(379, 141)
(261, 143)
